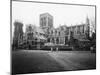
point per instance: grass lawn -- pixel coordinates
(35, 61)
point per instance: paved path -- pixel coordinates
(65, 60)
(67, 64)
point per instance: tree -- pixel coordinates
(93, 34)
(93, 26)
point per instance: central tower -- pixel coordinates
(46, 21)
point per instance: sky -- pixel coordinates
(29, 13)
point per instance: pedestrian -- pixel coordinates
(51, 49)
(91, 48)
(57, 49)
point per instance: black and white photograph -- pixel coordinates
(52, 37)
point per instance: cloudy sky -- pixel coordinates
(29, 12)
